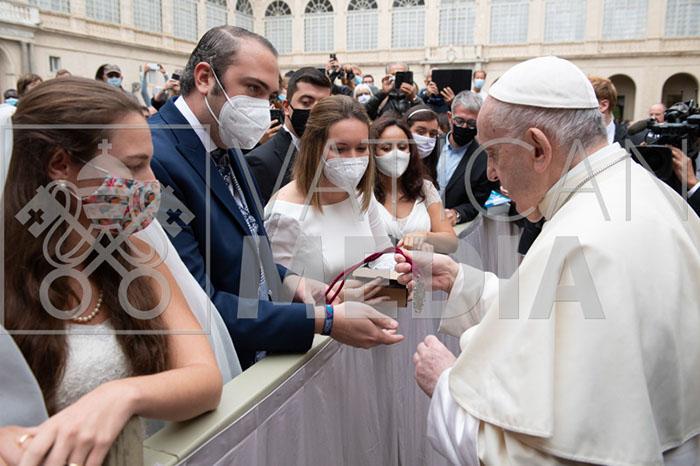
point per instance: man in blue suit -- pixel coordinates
(225, 88)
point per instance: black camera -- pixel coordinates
(682, 121)
(680, 129)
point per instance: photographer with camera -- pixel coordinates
(170, 89)
(398, 93)
(335, 71)
(439, 101)
(670, 148)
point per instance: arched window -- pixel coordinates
(564, 20)
(624, 19)
(244, 15)
(103, 10)
(683, 18)
(457, 22)
(626, 93)
(679, 88)
(278, 26)
(216, 13)
(147, 15)
(408, 24)
(362, 25)
(509, 21)
(185, 19)
(318, 26)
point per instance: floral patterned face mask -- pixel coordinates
(119, 202)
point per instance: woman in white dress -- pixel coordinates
(411, 206)
(96, 313)
(327, 219)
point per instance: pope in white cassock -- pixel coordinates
(590, 353)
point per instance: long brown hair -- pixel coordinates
(411, 181)
(327, 112)
(69, 101)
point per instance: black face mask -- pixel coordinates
(299, 118)
(463, 136)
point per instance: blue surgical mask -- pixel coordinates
(281, 97)
(11, 101)
(116, 82)
(358, 80)
(479, 83)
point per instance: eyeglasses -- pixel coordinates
(462, 123)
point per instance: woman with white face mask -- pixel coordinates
(327, 219)
(425, 128)
(362, 93)
(411, 206)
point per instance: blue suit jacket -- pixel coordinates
(180, 162)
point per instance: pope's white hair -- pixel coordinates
(564, 127)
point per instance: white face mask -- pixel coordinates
(242, 120)
(364, 98)
(346, 173)
(393, 163)
(424, 144)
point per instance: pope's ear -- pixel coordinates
(542, 157)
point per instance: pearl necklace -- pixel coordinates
(92, 315)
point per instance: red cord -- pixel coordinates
(345, 273)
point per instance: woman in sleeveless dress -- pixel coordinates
(95, 312)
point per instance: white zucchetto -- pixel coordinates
(547, 82)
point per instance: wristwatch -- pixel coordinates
(328, 321)
(458, 216)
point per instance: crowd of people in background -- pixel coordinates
(299, 162)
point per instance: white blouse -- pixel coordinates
(417, 220)
(320, 244)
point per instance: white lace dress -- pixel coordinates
(94, 357)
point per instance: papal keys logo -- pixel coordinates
(90, 223)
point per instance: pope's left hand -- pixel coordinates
(432, 358)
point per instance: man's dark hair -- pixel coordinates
(310, 75)
(10, 94)
(289, 74)
(218, 47)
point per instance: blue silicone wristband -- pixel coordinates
(328, 322)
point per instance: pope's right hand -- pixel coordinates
(442, 268)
